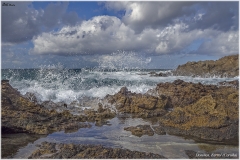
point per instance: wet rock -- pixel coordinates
(50, 105)
(154, 74)
(206, 112)
(212, 118)
(182, 93)
(140, 130)
(234, 84)
(227, 66)
(100, 116)
(32, 97)
(141, 105)
(11, 143)
(191, 154)
(75, 126)
(159, 130)
(21, 115)
(72, 151)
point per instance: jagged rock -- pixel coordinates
(207, 112)
(75, 126)
(18, 114)
(182, 93)
(204, 111)
(101, 116)
(71, 151)
(140, 130)
(154, 74)
(159, 130)
(138, 104)
(31, 96)
(227, 66)
(234, 84)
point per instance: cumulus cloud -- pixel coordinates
(102, 34)
(107, 34)
(220, 43)
(139, 15)
(201, 15)
(22, 22)
(151, 28)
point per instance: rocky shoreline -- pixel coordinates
(227, 66)
(62, 151)
(204, 112)
(208, 113)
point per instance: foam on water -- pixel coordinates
(71, 85)
(58, 84)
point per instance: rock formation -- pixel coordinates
(140, 105)
(227, 66)
(70, 151)
(207, 112)
(19, 114)
(140, 130)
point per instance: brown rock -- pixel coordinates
(213, 111)
(227, 66)
(140, 130)
(21, 115)
(206, 112)
(72, 151)
(138, 104)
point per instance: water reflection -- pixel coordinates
(10, 143)
(114, 135)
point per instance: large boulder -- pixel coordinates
(227, 66)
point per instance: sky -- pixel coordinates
(136, 34)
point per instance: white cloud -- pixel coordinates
(107, 34)
(220, 43)
(102, 34)
(139, 15)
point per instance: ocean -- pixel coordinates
(60, 84)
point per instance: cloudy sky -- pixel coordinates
(133, 34)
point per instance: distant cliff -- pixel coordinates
(227, 66)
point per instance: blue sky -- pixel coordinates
(88, 34)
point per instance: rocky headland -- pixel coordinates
(227, 66)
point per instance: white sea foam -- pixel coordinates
(68, 88)
(59, 84)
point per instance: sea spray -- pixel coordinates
(59, 84)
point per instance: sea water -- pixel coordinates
(67, 85)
